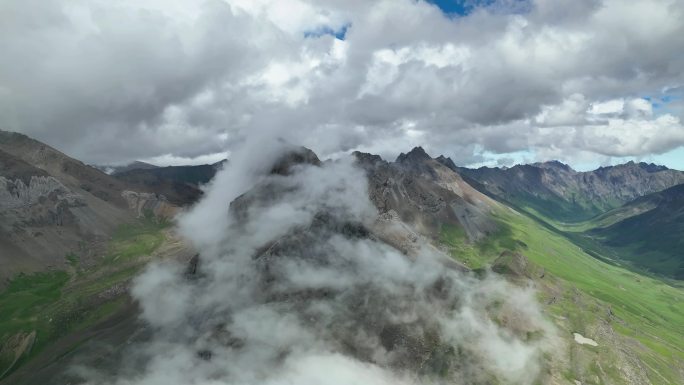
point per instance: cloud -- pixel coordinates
(293, 289)
(187, 79)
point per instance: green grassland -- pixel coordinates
(585, 293)
(55, 303)
(640, 236)
(571, 208)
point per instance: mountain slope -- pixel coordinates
(648, 232)
(71, 172)
(53, 206)
(558, 193)
(181, 183)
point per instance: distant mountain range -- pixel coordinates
(181, 183)
(136, 165)
(556, 192)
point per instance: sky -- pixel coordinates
(587, 82)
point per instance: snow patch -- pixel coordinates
(580, 339)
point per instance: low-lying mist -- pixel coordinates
(293, 287)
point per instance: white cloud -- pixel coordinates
(192, 78)
(614, 106)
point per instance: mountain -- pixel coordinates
(555, 191)
(369, 268)
(649, 232)
(181, 183)
(53, 206)
(195, 175)
(136, 165)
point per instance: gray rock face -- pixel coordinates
(45, 201)
(426, 194)
(15, 193)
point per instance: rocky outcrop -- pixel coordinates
(516, 266)
(148, 204)
(45, 201)
(15, 193)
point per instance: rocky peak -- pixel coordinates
(415, 155)
(652, 167)
(554, 165)
(366, 159)
(631, 166)
(296, 156)
(447, 162)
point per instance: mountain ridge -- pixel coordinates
(556, 191)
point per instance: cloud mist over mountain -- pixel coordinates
(581, 81)
(300, 192)
(292, 287)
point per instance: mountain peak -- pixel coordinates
(446, 162)
(652, 167)
(554, 164)
(416, 154)
(366, 158)
(648, 167)
(293, 157)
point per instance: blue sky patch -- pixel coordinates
(465, 7)
(339, 34)
(660, 102)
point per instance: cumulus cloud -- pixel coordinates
(190, 79)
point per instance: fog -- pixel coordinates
(293, 288)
